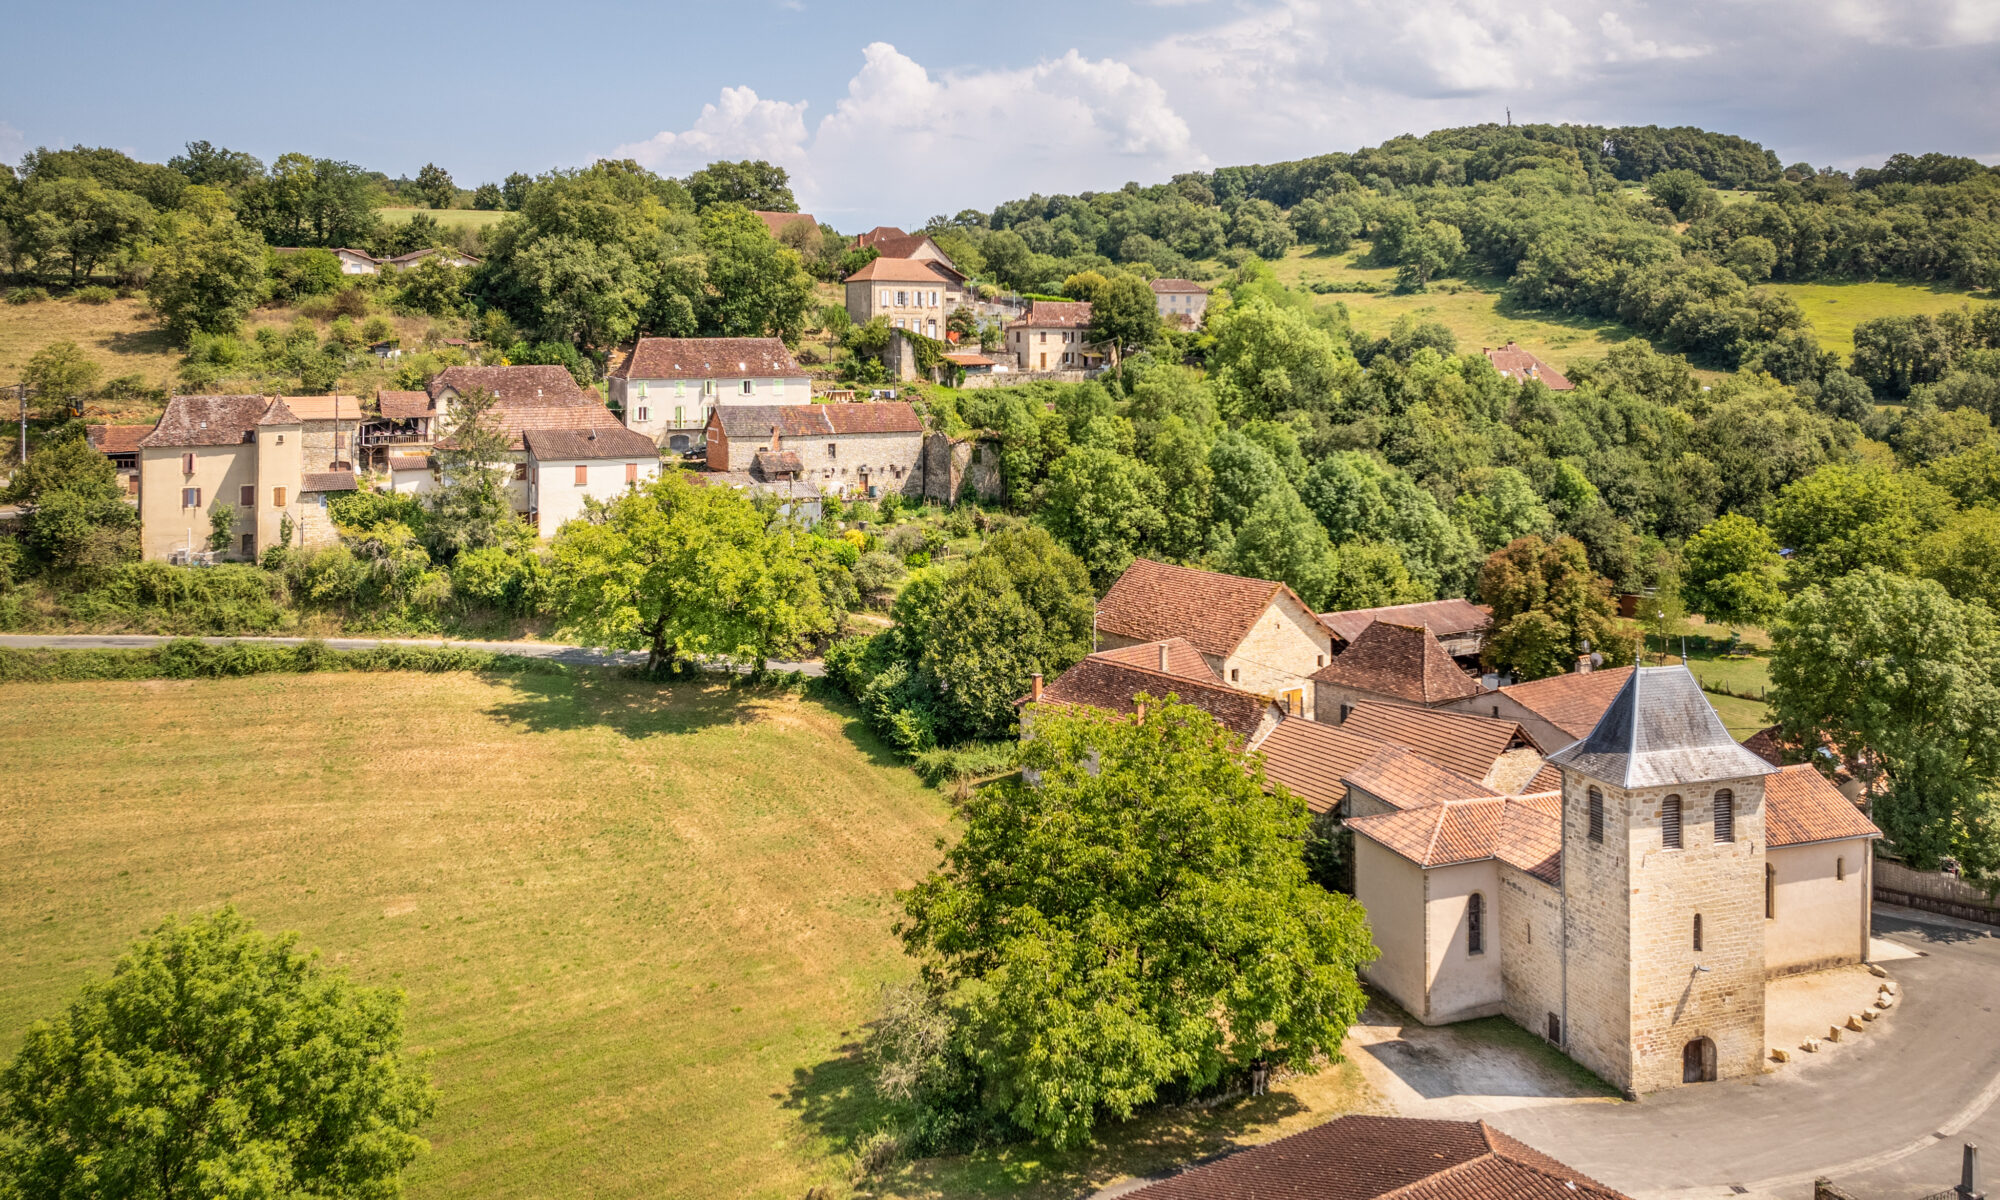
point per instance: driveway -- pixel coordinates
(1883, 1116)
(560, 653)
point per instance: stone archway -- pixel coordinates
(1698, 1061)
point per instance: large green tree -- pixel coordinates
(206, 270)
(62, 375)
(76, 520)
(757, 287)
(1103, 505)
(1135, 919)
(1896, 670)
(75, 224)
(311, 202)
(470, 508)
(214, 1062)
(1734, 572)
(750, 183)
(435, 186)
(1547, 602)
(1843, 518)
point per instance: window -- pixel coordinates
(1670, 822)
(281, 439)
(641, 416)
(1344, 710)
(749, 387)
(708, 387)
(885, 297)
(1697, 932)
(582, 474)
(902, 299)
(187, 464)
(1234, 674)
(277, 497)
(520, 472)
(679, 417)
(246, 496)
(680, 387)
(1475, 924)
(777, 387)
(1770, 891)
(190, 497)
(1496, 711)
(250, 546)
(1555, 1029)
(833, 449)
(631, 472)
(933, 299)
(131, 485)
(1319, 660)
(1044, 336)
(1596, 815)
(1725, 815)
(1839, 868)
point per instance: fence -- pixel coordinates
(1934, 891)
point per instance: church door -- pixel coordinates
(1698, 1062)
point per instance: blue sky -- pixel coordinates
(889, 113)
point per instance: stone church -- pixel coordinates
(1633, 916)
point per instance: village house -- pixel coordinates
(1379, 1158)
(1515, 363)
(1496, 754)
(1256, 634)
(778, 222)
(453, 258)
(840, 449)
(402, 425)
(891, 242)
(357, 262)
(1054, 335)
(568, 466)
(1390, 663)
(1182, 302)
(525, 398)
(1114, 680)
(1554, 711)
(1458, 625)
(1632, 915)
(910, 293)
(666, 387)
(120, 444)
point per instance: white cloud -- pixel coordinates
(13, 144)
(738, 125)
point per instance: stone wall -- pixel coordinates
(948, 464)
(1529, 927)
(1597, 988)
(1280, 653)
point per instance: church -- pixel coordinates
(1632, 915)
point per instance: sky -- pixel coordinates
(889, 114)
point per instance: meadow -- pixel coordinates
(450, 218)
(1836, 308)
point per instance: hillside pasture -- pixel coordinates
(450, 218)
(122, 337)
(1836, 308)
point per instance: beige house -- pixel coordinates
(666, 387)
(911, 293)
(1182, 302)
(840, 449)
(1256, 634)
(891, 242)
(568, 466)
(1053, 335)
(1633, 915)
(1390, 663)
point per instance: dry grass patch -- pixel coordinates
(625, 916)
(121, 336)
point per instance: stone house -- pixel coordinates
(1458, 625)
(1631, 916)
(568, 466)
(841, 449)
(666, 387)
(1182, 302)
(1555, 711)
(1053, 335)
(1256, 634)
(120, 444)
(1390, 663)
(1113, 681)
(891, 242)
(1515, 363)
(911, 293)
(525, 398)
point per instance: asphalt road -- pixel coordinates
(569, 654)
(1884, 1118)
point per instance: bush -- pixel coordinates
(27, 295)
(350, 302)
(228, 599)
(499, 578)
(973, 760)
(95, 294)
(186, 658)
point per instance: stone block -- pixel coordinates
(1854, 1023)
(1778, 1055)
(1889, 987)
(1876, 970)
(1869, 1014)
(1810, 1045)
(1833, 1033)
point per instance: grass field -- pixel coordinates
(1836, 308)
(640, 929)
(121, 336)
(450, 218)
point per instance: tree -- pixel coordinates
(1433, 249)
(487, 197)
(215, 1062)
(1499, 505)
(1546, 603)
(1103, 505)
(1269, 360)
(207, 270)
(1178, 454)
(470, 508)
(1894, 667)
(435, 186)
(213, 166)
(1964, 556)
(61, 374)
(1280, 540)
(686, 573)
(311, 202)
(754, 184)
(1124, 312)
(514, 191)
(74, 223)
(76, 521)
(1137, 918)
(1842, 518)
(757, 287)
(1683, 192)
(1734, 572)
(221, 525)
(433, 286)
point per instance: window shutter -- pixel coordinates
(631, 472)
(582, 474)
(246, 495)
(1596, 815)
(277, 497)
(1670, 822)
(187, 464)
(1725, 816)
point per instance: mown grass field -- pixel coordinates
(122, 337)
(450, 218)
(1836, 308)
(641, 929)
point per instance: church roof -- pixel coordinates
(1660, 730)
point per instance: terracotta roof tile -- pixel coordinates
(1402, 779)
(409, 462)
(521, 386)
(116, 439)
(776, 221)
(1524, 832)
(1572, 703)
(1177, 286)
(1548, 779)
(1443, 618)
(404, 406)
(901, 270)
(1182, 659)
(1371, 1158)
(606, 439)
(707, 358)
(1456, 741)
(1800, 806)
(327, 481)
(207, 421)
(817, 420)
(880, 416)
(1515, 363)
(1102, 683)
(1313, 760)
(1053, 314)
(1403, 661)
(769, 463)
(1154, 600)
(324, 408)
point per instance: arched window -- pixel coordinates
(1670, 822)
(1475, 924)
(1725, 816)
(1596, 815)
(1697, 931)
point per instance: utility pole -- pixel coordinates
(22, 388)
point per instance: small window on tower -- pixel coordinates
(1596, 799)
(1725, 816)
(1697, 932)
(1475, 924)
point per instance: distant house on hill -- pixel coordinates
(841, 449)
(1515, 363)
(454, 258)
(1181, 302)
(1054, 335)
(357, 262)
(910, 293)
(1458, 625)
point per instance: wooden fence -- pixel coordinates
(1934, 891)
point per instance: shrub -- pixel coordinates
(154, 596)
(917, 558)
(351, 302)
(187, 658)
(95, 294)
(973, 760)
(378, 328)
(27, 295)
(499, 578)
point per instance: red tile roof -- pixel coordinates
(1548, 779)
(1402, 779)
(1442, 617)
(522, 385)
(1522, 831)
(1182, 659)
(324, 408)
(409, 462)
(879, 234)
(404, 406)
(207, 421)
(1800, 807)
(1403, 661)
(1313, 760)
(1373, 1158)
(1456, 741)
(1178, 286)
(116, 439)
(900, 270)
(1102, 683)
(772, 463)
(327, 481)
(1154, 600)
(1053, 314)
(1572, 703)
(606, 439)
(706, 358)
(775, 221)
(1515, 363)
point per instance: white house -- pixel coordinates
(567, 465)
(357, 262)
(667, 387)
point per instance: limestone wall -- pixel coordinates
(1280, 653)
(1530, 930)
(1596, 905)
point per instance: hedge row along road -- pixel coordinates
(582, 655)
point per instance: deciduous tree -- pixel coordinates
(435, 186)
(1734, 572)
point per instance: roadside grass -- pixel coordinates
(450, 218)
(625, 915)
(122, 337)
(1836, 308)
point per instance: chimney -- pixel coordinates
(1163, 658)
(1035, 686)
(1141, 718)
(1968, 1179)
(775, 446)
(1583, 664)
